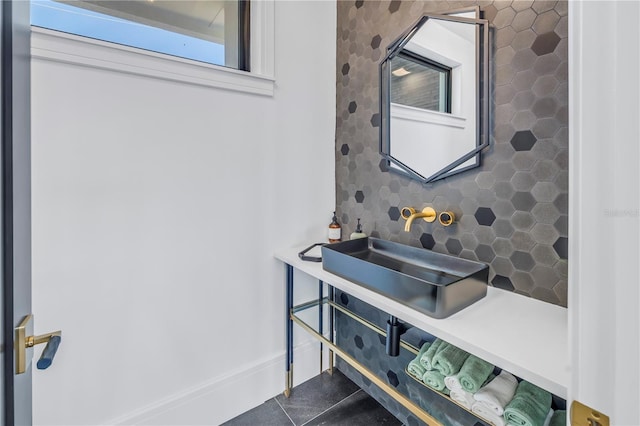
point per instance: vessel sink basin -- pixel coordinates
(435, 284)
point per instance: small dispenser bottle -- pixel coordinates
(335, 230)
(358, 232)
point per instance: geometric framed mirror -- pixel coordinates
(434, 97)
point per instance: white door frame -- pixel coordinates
(15, 164)
(604, 231)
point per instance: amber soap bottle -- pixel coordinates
(335, 230)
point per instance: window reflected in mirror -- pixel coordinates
(434, 97)
(420, 83)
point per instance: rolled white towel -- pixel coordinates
(497, 394)
(462, 397)
(487, 413)
(452, 382)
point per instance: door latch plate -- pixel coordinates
(581, 415)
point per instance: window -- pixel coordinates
(410, 72)
(212, 31)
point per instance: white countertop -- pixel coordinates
(524, 336)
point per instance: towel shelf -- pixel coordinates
(304, 315)
(388, 389)
(447, 398)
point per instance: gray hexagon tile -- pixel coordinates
(523, 100)
(545, 276)
(562, 225)
(561, 247)
(485, 253)
(453, 246)
(523, 201)
(545, 86)
(523, 282)
(502, 282)
(544, 234)
(545, 43)
(485, 216)
(544, 255)
(523, 19)
(523, 80)
(394, 213)
(502, 247)
(523, 181)
(523, 140)
(511, 212)
(546, 22)
(503, 190)
(427, 241)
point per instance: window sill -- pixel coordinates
(406, 112)
(66, 48)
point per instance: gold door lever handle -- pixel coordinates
(24, 342)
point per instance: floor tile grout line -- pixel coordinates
(285, 411)
(332, 407)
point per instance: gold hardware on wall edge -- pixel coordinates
(24, 342)
(581, 415)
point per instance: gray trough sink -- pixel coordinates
(436, 284)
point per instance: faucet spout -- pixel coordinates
(407, 225)
(428, 214)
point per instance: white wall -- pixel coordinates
(157, 207)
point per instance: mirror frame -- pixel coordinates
(482, 98)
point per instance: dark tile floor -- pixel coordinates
(323, 400)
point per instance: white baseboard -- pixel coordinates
(223, 398)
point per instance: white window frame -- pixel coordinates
(67, 48)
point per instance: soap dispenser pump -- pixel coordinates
(358, 232)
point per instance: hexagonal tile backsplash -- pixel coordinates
(511, 212)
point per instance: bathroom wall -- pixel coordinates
(512, 211)
(157, 208)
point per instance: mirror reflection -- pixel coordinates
(420, 83)
(431, 99)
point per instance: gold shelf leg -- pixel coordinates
(288, 382)
(287, 391)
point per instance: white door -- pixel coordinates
(604, 296)
(16, 204)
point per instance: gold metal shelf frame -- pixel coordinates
(388, 389)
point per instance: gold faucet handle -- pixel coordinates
(446, 218)
(407, 212)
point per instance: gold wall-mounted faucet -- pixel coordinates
(410, 214)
